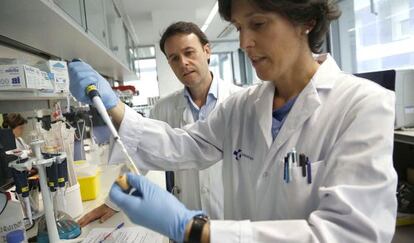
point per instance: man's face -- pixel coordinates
(188, 59)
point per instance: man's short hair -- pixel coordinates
(182, 27)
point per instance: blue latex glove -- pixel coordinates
(81, 75)
(153, 207)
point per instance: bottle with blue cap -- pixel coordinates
(11, 216)
(16, 236)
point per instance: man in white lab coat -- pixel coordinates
(188, 52)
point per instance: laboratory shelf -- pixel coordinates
(21, 101)
(30, 95)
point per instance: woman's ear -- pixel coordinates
(308, 27)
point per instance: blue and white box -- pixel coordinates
(19, 76)
(59, 69)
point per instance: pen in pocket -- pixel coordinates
(309, 170)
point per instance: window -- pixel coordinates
(222, 64)
(374, 35)
(231, 63)
(146, 68)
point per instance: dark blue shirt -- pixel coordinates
(279, 116)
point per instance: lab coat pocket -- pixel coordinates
(301, 192)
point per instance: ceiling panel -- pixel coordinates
(151, 17)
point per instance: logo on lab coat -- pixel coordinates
(238, 154)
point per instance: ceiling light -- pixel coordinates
(210, 17)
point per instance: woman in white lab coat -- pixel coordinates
(343, 187)
(17, 123)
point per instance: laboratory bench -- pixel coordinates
(108, 174)
(404, 234)
(403, 158)
(403, 152)
(406, 137)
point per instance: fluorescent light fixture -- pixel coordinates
(210, 17)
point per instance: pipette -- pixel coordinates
(93, 94)
(19, 169)
(22, 189)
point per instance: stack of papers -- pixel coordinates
(126, 235)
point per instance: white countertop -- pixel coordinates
(108, 174)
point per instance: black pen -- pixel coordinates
(309, 170)
(288, 170)
(302, 163)
(285, 169)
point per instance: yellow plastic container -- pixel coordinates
(88, 178)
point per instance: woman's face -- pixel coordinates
(273, 44)
(18, 131)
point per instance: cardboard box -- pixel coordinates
(60, 71)
(18, 76)
(47, 81)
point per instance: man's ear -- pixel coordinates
(207, 49)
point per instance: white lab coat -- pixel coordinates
(20, 144)
(344, 124)
(197, 189)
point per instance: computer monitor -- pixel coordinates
(7, 142)
(384, 78)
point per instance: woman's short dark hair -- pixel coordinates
(13, 120)
(298, 12)
(182, 28)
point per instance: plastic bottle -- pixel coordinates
(11, 219)
(16, 236)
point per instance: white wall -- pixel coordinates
(156, 24)
(144, 26)
(167, 81)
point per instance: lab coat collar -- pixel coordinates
(217, 89)
(211, 92)
(326, 73)
(188, 117)
(222, 89)
(305, 105)
(263, 110)
(182, 107)
(182, 101)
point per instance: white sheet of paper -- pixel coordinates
(126, 235)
